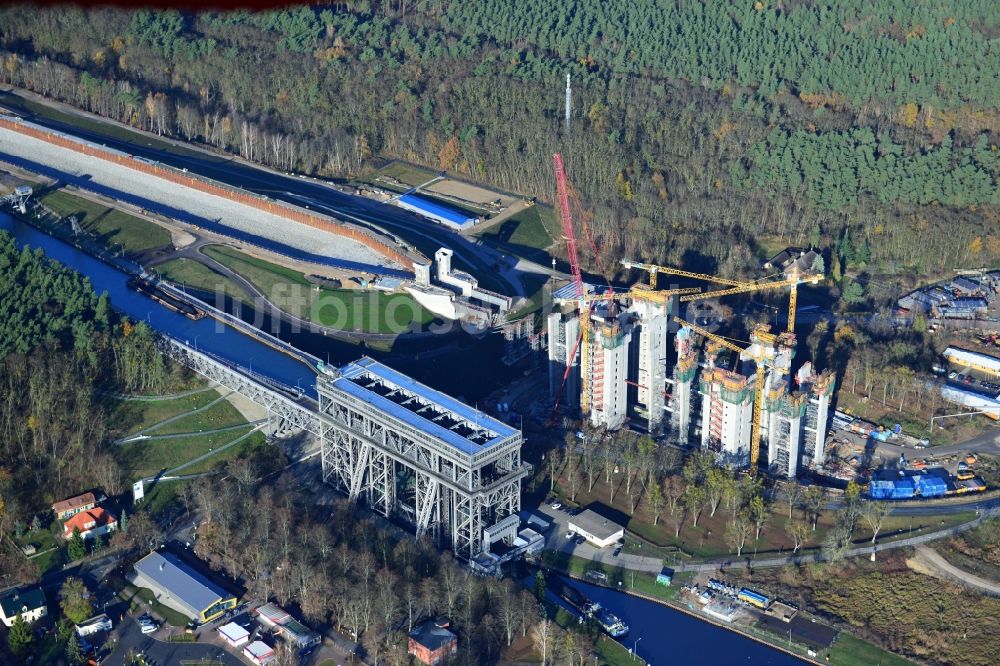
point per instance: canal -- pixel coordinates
(663, 635)
(424, 358)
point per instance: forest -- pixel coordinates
(63, 350)
(702, 133)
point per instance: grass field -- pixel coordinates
(404, 173)
(220, 415)
(252, 443)
(849, 650)
(146, 458)
(130, 416)
(367, 311)
(529, 228)
(164, 496)
(109, 225)
(194, 275)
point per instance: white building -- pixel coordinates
(596, 529)
(28, 602)
(651, 361)
(233, 634)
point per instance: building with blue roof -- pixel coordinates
(179, 586)
(410, 451)
(437, 212)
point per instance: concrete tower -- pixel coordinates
(605, 373)
(651, 361)
(727, 415)
(564, 331)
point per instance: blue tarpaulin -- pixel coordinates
(931, 486)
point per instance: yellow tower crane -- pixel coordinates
(761, 350)
(654, 270)
(792, 280)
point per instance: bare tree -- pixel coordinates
(874, 514)
(814, 500)
(797, 531)
(793, 494)
(738, 531)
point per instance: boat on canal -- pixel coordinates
(165, 299)
(610, 623)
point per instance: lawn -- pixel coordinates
(164, 497)
(48, 543)
(194, 275)
(109, 225)
(528, 228)
(147, 457)
(369, 311)
(404, 173)
(130, 416)
(220, 415)
(255, 442)
(639, 581)
(849, 650)
(140, 598)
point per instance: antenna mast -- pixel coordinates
(569, 100)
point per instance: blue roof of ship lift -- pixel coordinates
(368, 366)
(437, 210)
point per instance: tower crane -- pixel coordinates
(791, 282)
(654, 270)
(762, 351)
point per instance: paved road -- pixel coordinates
(555, 539)
(932, 559)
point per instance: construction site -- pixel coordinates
(625, 358)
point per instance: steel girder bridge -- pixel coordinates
(288, 408)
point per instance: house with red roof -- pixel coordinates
(91, 523)
(74, 505)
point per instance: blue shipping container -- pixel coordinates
(881, 489)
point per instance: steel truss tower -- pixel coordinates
(412, 452)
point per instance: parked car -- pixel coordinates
(556, 506)
(617, 552)
(569, 535)
(147, 628)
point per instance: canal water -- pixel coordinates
(432, 360)
(664, 636)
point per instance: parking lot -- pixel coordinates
(555, 539)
